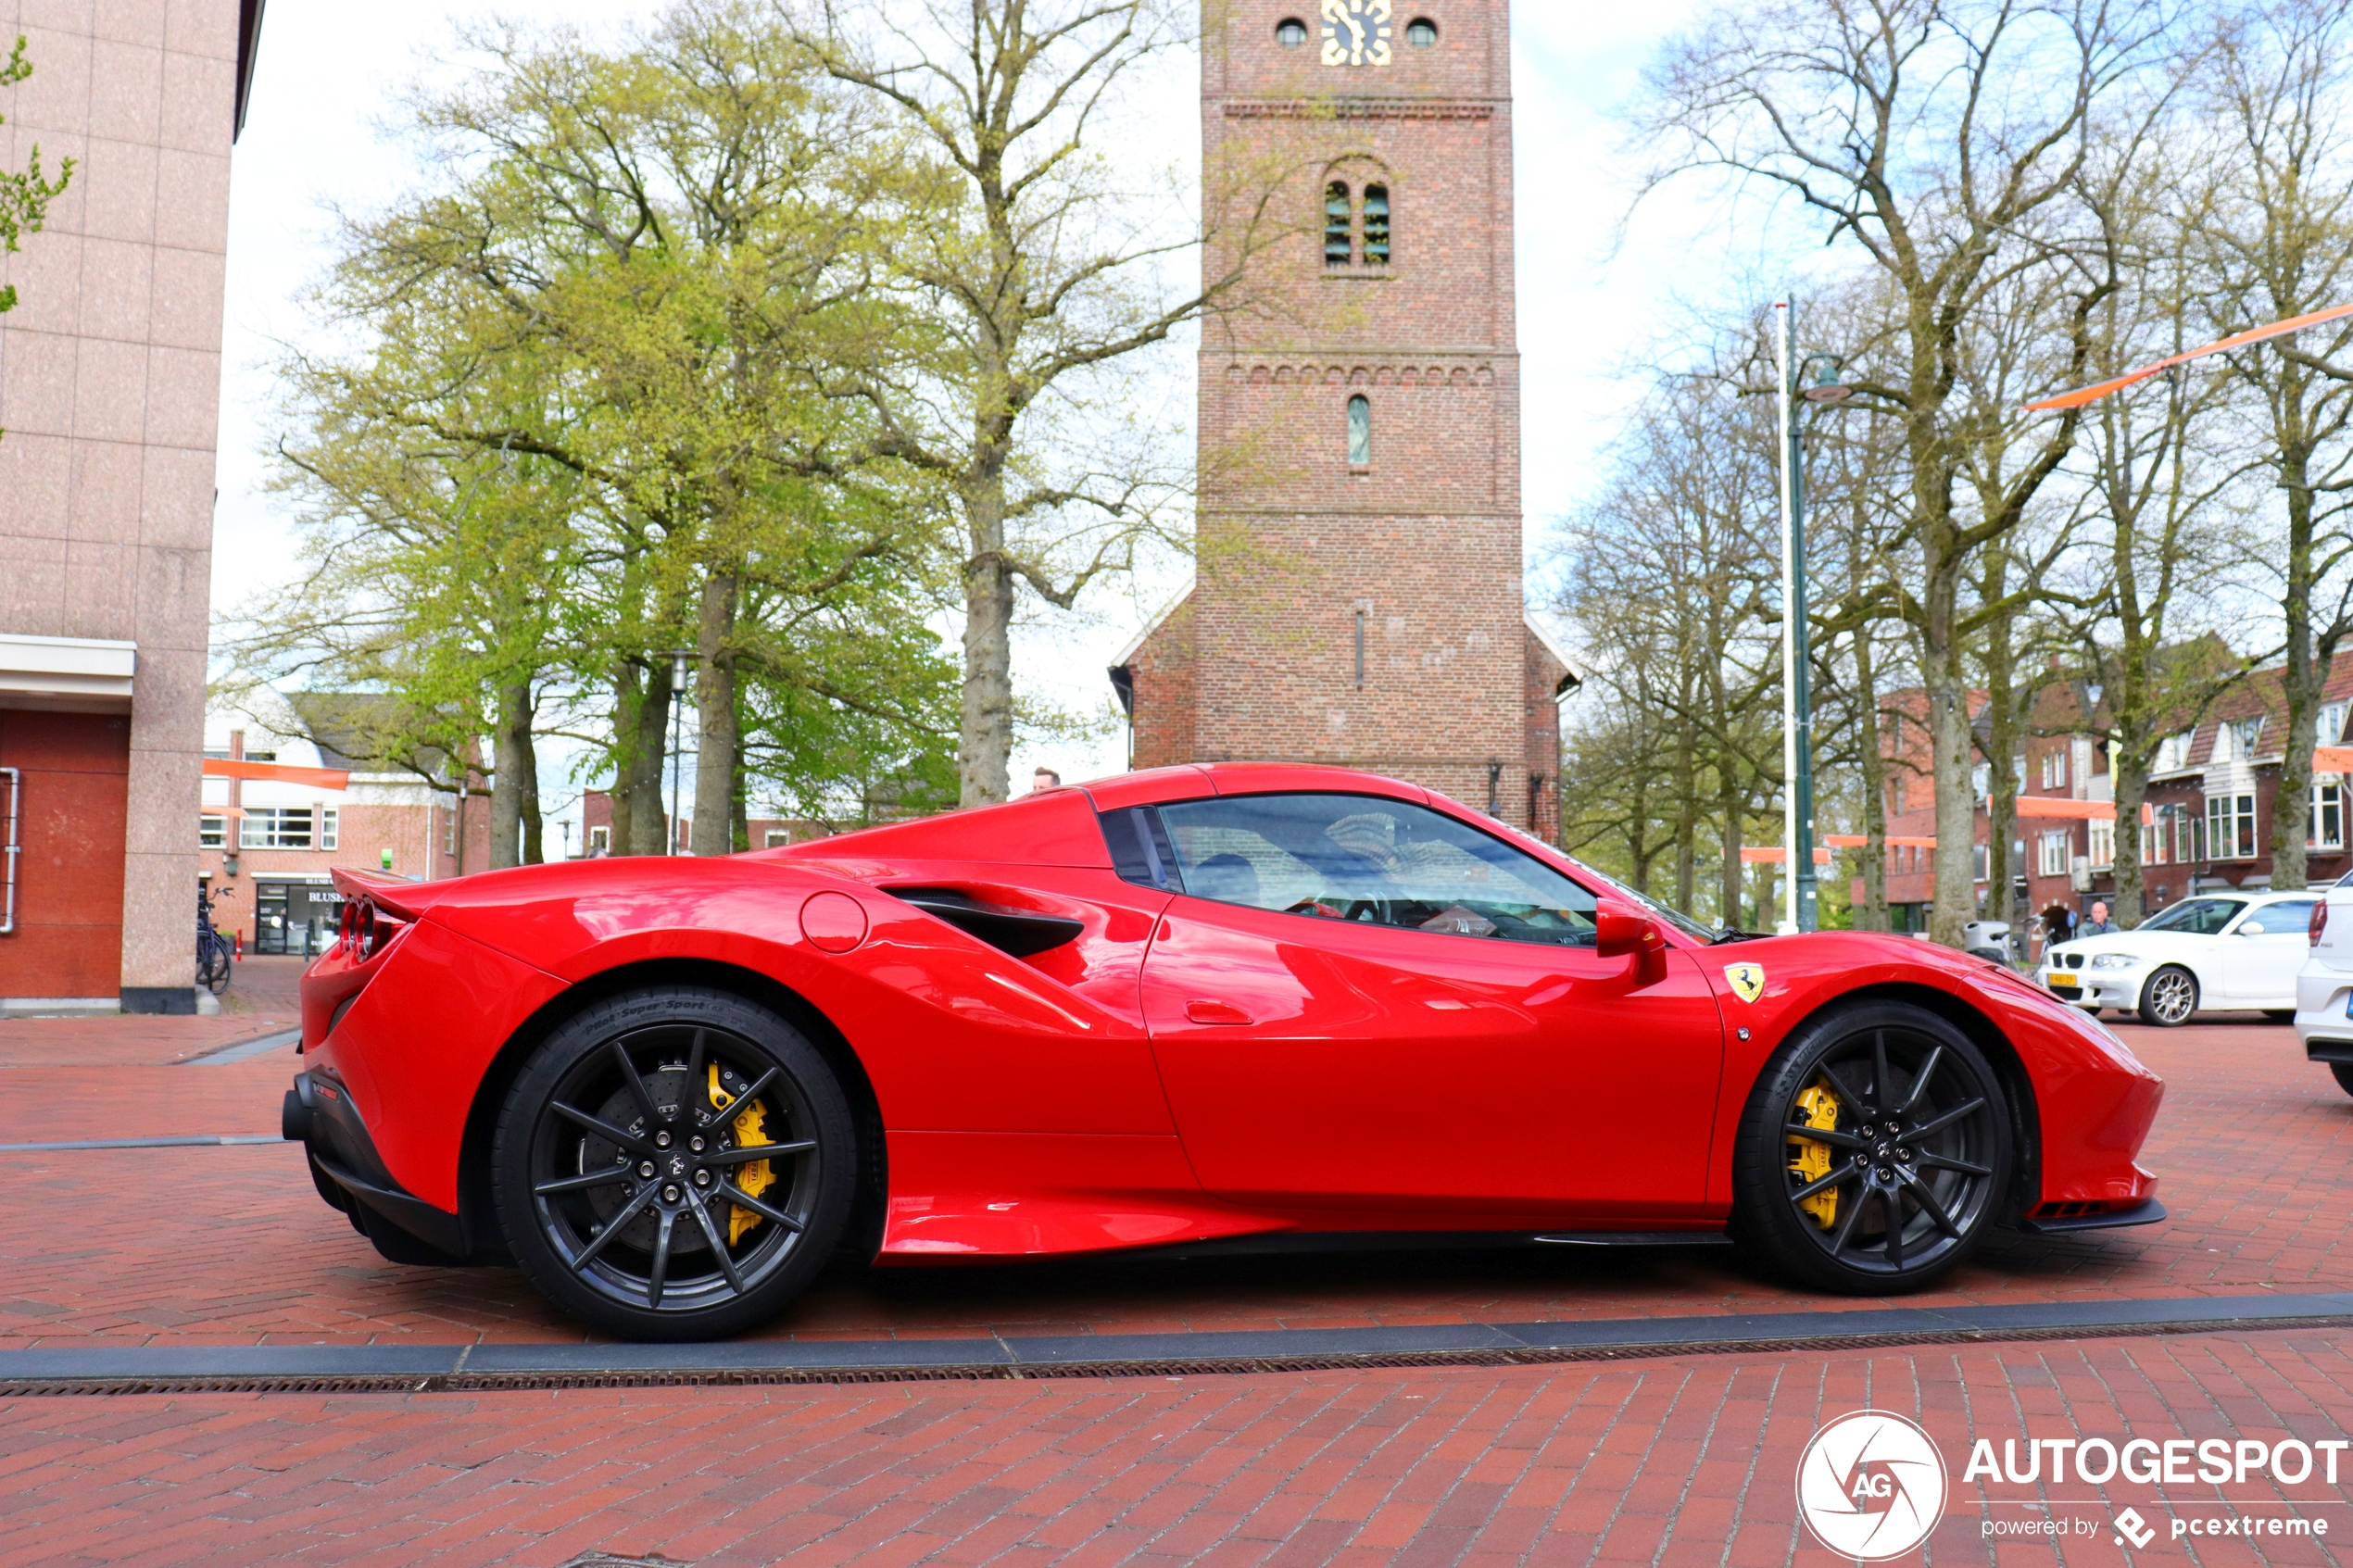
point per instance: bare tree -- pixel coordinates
(1940, 138)
(2278, 238)
(1042, 267)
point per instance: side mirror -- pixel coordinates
(1619, 931)
(1622, 932)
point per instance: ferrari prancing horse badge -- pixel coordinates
(1747, 980)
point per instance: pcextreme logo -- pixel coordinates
(1871, 1486)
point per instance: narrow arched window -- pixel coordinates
(1336, 239)
(1360, 431)
(1376, 225)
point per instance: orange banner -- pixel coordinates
(277, 772)
(2076, 811)
(2081, 396)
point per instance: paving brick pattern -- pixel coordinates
(1666, 1463)
(232, 1246)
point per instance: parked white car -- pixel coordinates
(2324, 988)
(2215, 951)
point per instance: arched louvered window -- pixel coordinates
(1376, 225)
(1339, 248)
(1360, 431)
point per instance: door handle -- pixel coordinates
(1215, 1012)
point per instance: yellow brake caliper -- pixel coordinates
(1810, 1157)
(751, 1131)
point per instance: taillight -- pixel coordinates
(2319, 922)
(366, 930)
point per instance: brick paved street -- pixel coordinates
(1673, 1462)
(1680, 1459)
(2251, 1147)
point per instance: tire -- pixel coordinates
(610, 1095)
(1944, 1194)
(2343, 1072)
(2170, 997)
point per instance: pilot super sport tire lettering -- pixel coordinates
(2170, 997)
(674, 1163)
(1874, 1152)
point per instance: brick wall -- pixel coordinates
(1359, 608)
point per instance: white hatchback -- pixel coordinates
(2324, 988)
(2215, 951)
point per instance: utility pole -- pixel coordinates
(1801, 886)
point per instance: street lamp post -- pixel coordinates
(1801, 888)
(680, 663)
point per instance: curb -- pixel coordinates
(486, 1367)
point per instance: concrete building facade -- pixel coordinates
(1359, 589)
(109, 395)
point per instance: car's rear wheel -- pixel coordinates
(674, 1163)
(1874, 1152)
(2343, 1072)
(2168, 998)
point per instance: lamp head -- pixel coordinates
(1827, 387)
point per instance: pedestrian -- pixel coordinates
(2099, 924)
(1043, 779)
(2058, 924)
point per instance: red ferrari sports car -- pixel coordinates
(1232, 1007)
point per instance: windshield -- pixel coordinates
(1673, 917)
(2197, 917)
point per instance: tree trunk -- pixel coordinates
(2302, 680)
(514, 777)
(983, 759)
(1950, 749)
(1872, 916)
(1686, 818)
(649, 822)
(716, 748)
(2132, 777)
(1734, 890)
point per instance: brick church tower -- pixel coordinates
(1358, 588)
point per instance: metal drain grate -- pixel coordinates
(466, 1383)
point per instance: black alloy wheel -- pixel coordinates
(2170, 997)
(1874, 1153)
(672, 1164)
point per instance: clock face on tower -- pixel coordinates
(1356, 32)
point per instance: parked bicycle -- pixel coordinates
(212, 949)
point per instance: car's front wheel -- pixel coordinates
(2343, 1072)
(673, 1163)
(2170, 997)
(1874, 1152)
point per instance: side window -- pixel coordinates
(1139, 848)
(1374, 862)
(2273, 919)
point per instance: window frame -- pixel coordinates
(266, 827)
(212, 830)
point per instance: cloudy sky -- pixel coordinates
(323, 132)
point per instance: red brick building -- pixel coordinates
(2207, 822)
(1358, 598)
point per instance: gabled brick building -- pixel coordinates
(2207, 822)
(1359, 594)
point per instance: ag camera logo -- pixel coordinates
(1871, 1486)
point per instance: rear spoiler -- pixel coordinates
(398, 895)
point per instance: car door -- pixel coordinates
(2262, 952)
(1361, 1002)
